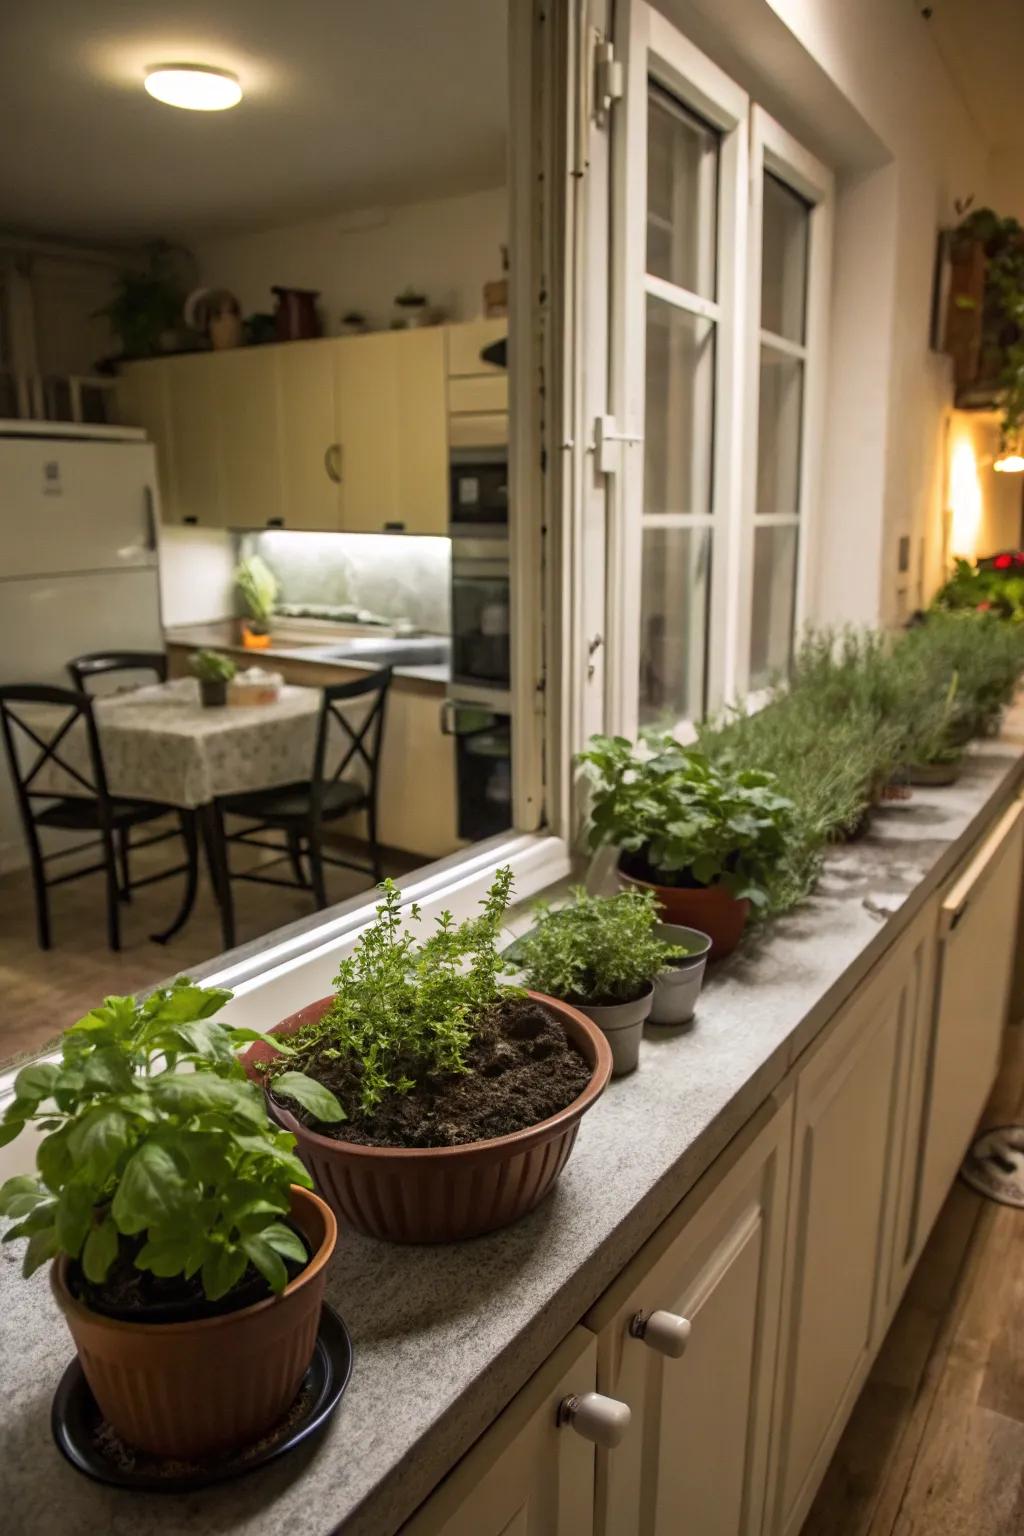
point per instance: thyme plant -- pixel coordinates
(595, 950)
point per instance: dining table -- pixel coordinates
(160, 743)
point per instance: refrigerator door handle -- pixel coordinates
(150, 538)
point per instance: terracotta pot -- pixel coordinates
(709, 908)
(211, 1386)
(444, 1194)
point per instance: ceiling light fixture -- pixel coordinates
(195, 87)
(1009, 464)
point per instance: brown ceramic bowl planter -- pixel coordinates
(212, 1385)
(709, 908)
(444, 1194)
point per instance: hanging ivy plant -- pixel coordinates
(1002, 321)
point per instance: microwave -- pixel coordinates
(479, 495)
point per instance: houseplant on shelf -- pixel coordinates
(188, 1254)
(703, 837)
(259, 588)
(430, 1101)
(214, 672)
(600, 954)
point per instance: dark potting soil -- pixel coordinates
(523, 1068)
(138, 1296)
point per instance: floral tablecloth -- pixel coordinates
(159, 743)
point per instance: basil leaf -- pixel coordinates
(151, 1189)
(266, 1261)
(100, 1250)
(319, 1101)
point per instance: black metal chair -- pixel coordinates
(99, 663)
(302, 810)
(32, 745)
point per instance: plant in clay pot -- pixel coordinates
(214, 672)
(704, 838)
(188, 1254)
(600, 954)
(430, 1101)
(259, 590)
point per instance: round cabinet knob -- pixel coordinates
(600, 1419)
(666, 1332)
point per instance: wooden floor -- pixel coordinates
(41, 993)
(935, 1446)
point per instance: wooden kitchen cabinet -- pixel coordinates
(697, 1452)
(304, 378)
(977, 940)
(248, 424)
(142, 399)
(528, 1475)
(195, 409)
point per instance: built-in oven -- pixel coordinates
(479, 494)
(483, 766)
(481, 643)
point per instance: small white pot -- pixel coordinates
(677, 988)
(623, 1023)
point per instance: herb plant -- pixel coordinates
(402, 1011)
(995, 589)
(156, 1146)
(1002, 320)
(595, 950)
(147, 303)
(211, 667)
(259, 588)
(684, 819)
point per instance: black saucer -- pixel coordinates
(91, 1446)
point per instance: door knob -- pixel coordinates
(601, 1419)
(666, 1332)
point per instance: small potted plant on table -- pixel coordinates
(259, 588)
(601, 955)
(214, 672)
(703, 838)
(188, 1253)
(430, 1101)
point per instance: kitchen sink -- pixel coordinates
(387, 653)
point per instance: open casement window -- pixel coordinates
(789, 243)
(679, 288)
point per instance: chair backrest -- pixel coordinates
(99, 663)
(32, 742)
(360, 737)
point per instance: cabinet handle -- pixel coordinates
(332, 462)
(600, 1419)
(666, 1332)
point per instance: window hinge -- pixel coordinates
(608, 442)
(608, 80)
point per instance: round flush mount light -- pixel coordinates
(195, 87)
(1010, 464)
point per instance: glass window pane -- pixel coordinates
(771, 620)
(778, 432)
(682, 195)
(679, 410)
(673, 623)
(786, 226)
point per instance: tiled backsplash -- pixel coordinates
(395, 577)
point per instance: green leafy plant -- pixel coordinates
(155, 1148)
(211, 667)
(402, 1011)
(259, 589)
(682, 819)
(1002, 320)
(985, 589)
(147, 303)
(595, 950)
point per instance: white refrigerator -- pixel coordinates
(79, 522)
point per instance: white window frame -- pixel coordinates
(651, 48)
(774, 150)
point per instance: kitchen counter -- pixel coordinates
(445, 1336)
(222, 636)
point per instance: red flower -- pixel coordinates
(984, 607)
(1003, 562)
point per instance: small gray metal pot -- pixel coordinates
(623, 1025)
(677, 988)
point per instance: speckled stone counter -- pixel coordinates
(444, 1337)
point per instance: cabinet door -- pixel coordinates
(422, 436)
(845, 1164)
(143, 400)
(977, 936)
(528, 1475)
(467, 341)
(305, 385)
(249, 437)
(696, 1456)
(195, 417)
(367, 424)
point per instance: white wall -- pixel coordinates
(197, 574)
(447, 248)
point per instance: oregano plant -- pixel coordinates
(154, 1144)
(595, 949)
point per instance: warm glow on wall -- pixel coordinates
(964, 500)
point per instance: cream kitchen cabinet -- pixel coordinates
(195, 408)
(142, 398)
(532, 1473)
(687, 1338)
(977, 940)
(304, 378)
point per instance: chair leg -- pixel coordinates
(113, 892)
(316, 868)
(295, 855)
(188, 900)
(220, 869)
(378, 868)
(41, 893)
(123, 846)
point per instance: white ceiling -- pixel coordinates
(348, 104)
(982, 45)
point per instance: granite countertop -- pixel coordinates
(445, 1336)
(220, 636)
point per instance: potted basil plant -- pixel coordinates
(188, 1254)
(705, 839)
(214, 672)
(602, 955)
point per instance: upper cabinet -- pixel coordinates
(350, 433)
